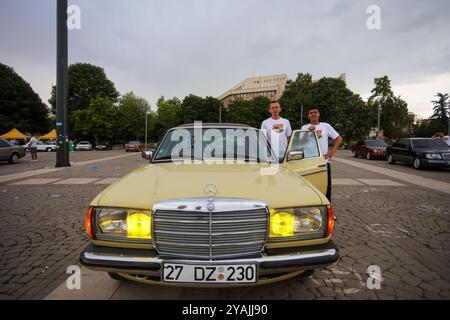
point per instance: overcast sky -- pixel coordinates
(204, 47)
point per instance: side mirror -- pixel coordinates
(295, 155)
(147, 155)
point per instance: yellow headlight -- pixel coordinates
(281, 224)
(139, 225)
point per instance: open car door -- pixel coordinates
(304, 157)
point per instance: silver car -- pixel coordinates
(10, 152)
(84, 145)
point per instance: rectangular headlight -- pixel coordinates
(433, 156)
(298, 223)
(123, 223)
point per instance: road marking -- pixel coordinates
(346, 182)
(31, 173)
(107, 181)
(410, 178)
(381, 182)
(35, 181)
(77, 181)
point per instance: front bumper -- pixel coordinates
(436, 163)
(149, 263)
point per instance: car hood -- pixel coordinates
(156, 182)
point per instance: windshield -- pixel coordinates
(376, 143)
(216, 144)
(429, 143)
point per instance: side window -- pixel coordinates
(305, 141)
(3, 144)
(405, 143)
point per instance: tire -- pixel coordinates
(114, 276)
(417, 164)
(49, 150)
(14, 158)
(368, 156)
(390, 159)
(306, 274)
(355, 154)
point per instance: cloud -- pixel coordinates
(204, 47)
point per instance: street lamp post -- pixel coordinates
(146, 115)
(220, 114)
(62, 155)
(301, 116)
(379, 116)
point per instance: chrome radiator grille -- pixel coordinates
(205, 234)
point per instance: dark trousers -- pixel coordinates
(329, 183)
(33, 151)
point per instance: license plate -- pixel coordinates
(222, 273)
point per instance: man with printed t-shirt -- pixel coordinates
(277, 129)
(324, 132)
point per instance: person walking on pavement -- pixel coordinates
(33, 148)
(278, 128)
(324, 132)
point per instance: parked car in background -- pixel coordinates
(101, 147)
(134, 146)
(83, 145)
(11, 152)
(420, 152)
(47, 146)
(370, 149)
(248, 221)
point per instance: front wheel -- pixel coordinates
(390, 159)
(368, 157)
(48, 149)
(417, 164)
(14, 158)
(355, 154)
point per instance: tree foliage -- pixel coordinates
(86, 82)
(394, 110)
(131, 116)
(20, 106)
(441, 109)
(252, 112)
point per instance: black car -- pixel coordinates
(420, 152)
(10, 152)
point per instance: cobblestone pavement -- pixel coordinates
(403, 229)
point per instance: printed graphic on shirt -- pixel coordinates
(319, 133)
(278, 128)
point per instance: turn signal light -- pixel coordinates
(88, 223)
(330, 220)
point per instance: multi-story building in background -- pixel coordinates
(271, 87)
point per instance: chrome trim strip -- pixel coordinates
(214, 233)
(200, 205)
(185, 244)
(263, 258)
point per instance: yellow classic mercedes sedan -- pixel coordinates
(216, 207)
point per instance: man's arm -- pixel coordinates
(337, 143)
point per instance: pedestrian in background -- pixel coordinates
(32, 144)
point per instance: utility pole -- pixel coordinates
(220, 114)
(301, 116)
(379, 116)
(62, 155)
(146, 114)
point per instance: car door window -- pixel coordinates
(4, 144)
(305, 141)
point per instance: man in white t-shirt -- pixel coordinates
(277, 129)
(33, 148)
(324, 132)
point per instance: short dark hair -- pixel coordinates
(313, 108)
(273, 101)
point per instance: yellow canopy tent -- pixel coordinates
(14, 134)
(49, 136)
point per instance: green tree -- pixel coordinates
(131, 116)
(394, 110)
(168, 115)
(440, 111)
(298, 95)
(251, 112)
(86, 82)
(98, 121)
(20, 106)
(195, 108)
